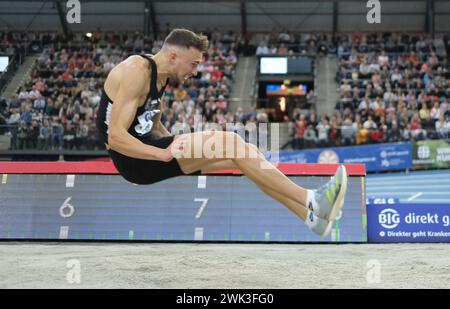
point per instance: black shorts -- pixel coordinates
(145, 172)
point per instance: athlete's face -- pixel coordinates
(186, 63)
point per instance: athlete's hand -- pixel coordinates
(176, 148)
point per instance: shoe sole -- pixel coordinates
(327, 229)
(339, 203)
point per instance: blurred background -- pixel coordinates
(372, 77)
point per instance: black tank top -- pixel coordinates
(143, 120)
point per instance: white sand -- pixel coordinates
(161, 265)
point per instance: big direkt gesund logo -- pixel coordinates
(389, 218)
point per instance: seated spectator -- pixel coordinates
(300, 127)
(369, 124)
(362, 134)
(262, 49)
(348, 133)
(282, 50)
(436, 111)
(335, 132)
(377, 135)
(345, 87)
(383, 59)
(69, 136)
(323, 129)
(364, 104)
(221, 103)
(394, 134)
(81, 135)
(424, 112)
(39, 103)
(445, 107)
(33, 135)
(442, 128)
(45, 136)
(415, 128)
(364, 71)
(428, 124)
(22, 135)
(310, 137)
(26, 115)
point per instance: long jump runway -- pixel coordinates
(212, 265)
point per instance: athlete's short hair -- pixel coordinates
(187, 38)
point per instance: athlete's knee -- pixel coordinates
(253, 150)
(226, 144)
(227, 136)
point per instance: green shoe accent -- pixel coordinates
(329, 198)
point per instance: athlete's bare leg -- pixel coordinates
(252, 164)
(299, 209)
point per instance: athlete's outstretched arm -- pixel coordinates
(131, 88)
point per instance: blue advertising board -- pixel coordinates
(408, 222)
(379, 157)
(191, 208)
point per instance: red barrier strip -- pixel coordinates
(89, 167)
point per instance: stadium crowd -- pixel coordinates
(392, 87)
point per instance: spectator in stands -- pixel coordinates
(300, 127)
(262, 49)
(40, 85)
(364, 104)
(428, 125)
(436, 111)
(282, 50)
(291, 141)
(22, 135)
(335, 132)
(33, 135)
(362, 134)
(312, 117)
(14, 117)
(39, 103)
(369, 124)
(26, 116)
(45, 135)
(14, 102)
(348, 133)
(396, 76)
(378, 134)
(310, 137)
(221, 104)
(323, 129)
(415, 128)
(92, 141)
(445, 107)
(394, 135)
(69, 136)
(374, 66)
(424, 112)
(442, 128)
(57, 133)
(345, 87)
(364, 71)
(383, 59)
(23, 94)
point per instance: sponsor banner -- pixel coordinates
(185, 208)
(408, 222)
(382, 200)
(379, 157)
(431, 154)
